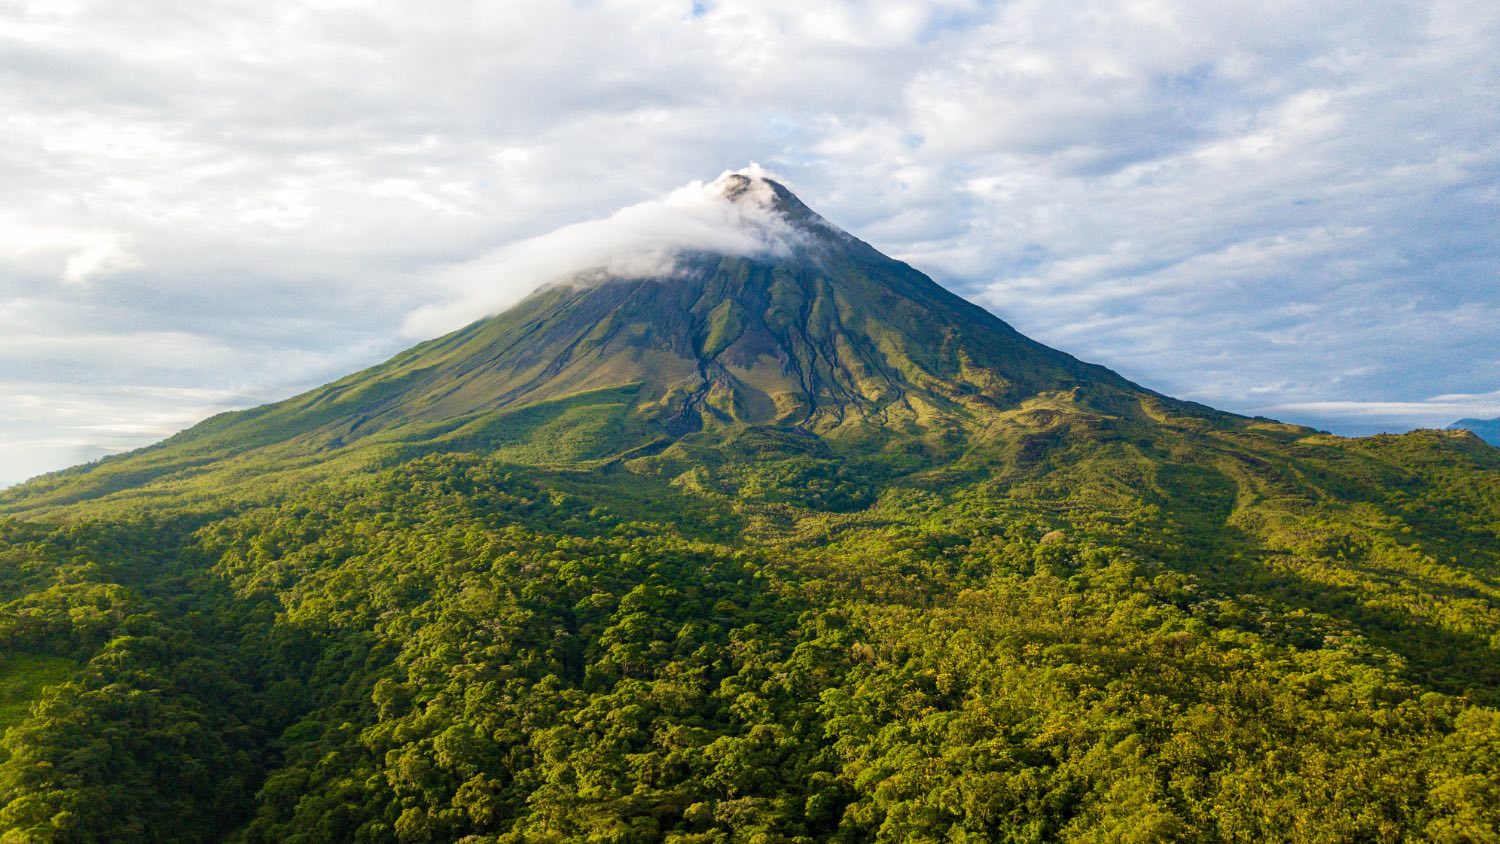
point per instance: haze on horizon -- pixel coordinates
(1288, 210)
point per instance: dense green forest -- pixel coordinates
(792, 549)
(457, 648)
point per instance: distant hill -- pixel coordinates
(1487, 429)
(783, 544)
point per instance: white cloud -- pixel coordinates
(1434, 412)
(71, 255)
(642, 240)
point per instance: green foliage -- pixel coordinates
(1144, 640)
(23, 676)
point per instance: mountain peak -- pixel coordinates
(759, 187)
(737, 186)
(748, 180)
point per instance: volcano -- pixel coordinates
(811, 333)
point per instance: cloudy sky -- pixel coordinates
(1290, 209)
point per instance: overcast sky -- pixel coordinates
(1286, 209)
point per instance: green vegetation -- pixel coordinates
(23, 676)
(1116, 642)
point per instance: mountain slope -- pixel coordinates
(778, 542)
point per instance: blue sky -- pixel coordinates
(1286, 209)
